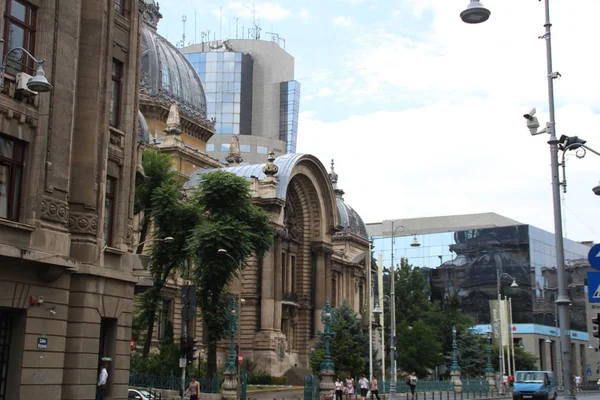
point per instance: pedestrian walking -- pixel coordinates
(412, 383)
(102, 379)
(349, 387)
(374, 389)
(193, 389)
(364, 387)
(578, 383)
(339, 389)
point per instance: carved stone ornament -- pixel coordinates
(54, 210)
(270, 169)
(83, 223)
(291, 227)
(116, 139)
(129, 237)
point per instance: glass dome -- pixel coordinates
(168, 76)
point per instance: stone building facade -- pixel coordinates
(318, 255)
(321, 242)
(67, 171)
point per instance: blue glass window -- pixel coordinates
(210, 147)
(225, 146)
(245, 148)
(261, 150)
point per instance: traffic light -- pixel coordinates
(596, 322)
(572, 141)
(189, 354)
(183, 347)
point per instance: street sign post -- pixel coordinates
(594, 256)
(593, 279)
(240, 358)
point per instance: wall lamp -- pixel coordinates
(38, 83)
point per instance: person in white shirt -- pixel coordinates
(578, 383)
(339, 389)
(364, 387)
(102, 378)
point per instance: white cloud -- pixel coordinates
(342, 20)
(304, 15)
(324, 92)
(264, 11)
(463, 146)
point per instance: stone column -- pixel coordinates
(278, 287)
(267, 300)
(321, 285)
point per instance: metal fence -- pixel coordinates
(171, 382)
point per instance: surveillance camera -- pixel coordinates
(533, 124)
(596, 189)
(529, 114)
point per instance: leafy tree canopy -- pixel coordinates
(349, 347)
(418, 348)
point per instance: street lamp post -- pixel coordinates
(327, 365)
(563, 297)
(489, 370)
(500, 333)
(230, 385)
(379, 310)
(241, 302)
(455, 368)
(393, 372)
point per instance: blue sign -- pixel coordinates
(593, 287)
(589, 370)
(594, 257)
(42, 343)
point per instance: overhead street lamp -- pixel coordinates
(393, 372)
(563, 296)
(475, 13)
(38, 83)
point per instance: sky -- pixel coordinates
(422, 113)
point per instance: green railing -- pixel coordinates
(171, 382)
(475, 385)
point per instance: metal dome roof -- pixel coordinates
(350, 220)
(169, 76)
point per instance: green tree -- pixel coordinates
(349, 347)
(471, 355)
(412, 294)
(445, 317)
(524, 361)
(418, 348)
(157, 170)
(171, 216)
(230, 221)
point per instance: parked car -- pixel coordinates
(142, 394)
(538, 385)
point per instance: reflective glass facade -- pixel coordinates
(465, 263)
(289, 109)
(227, 80)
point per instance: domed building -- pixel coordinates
(172, 100)
(318, 255)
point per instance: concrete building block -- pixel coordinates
(41, 376)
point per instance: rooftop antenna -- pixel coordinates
(183, 19)
(276, 38)
(236, 27)
(195, 27)
(221, 23)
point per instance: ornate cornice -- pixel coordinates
(156, 108)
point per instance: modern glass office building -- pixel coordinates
(227, 80)
(461, 255)
(288, 120)
(250, 92)
(466, 263)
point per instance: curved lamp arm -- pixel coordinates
(45, 86)
(580, 153)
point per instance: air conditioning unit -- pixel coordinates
(21, 84)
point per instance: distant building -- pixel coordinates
(250, 92)
(462, 255)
